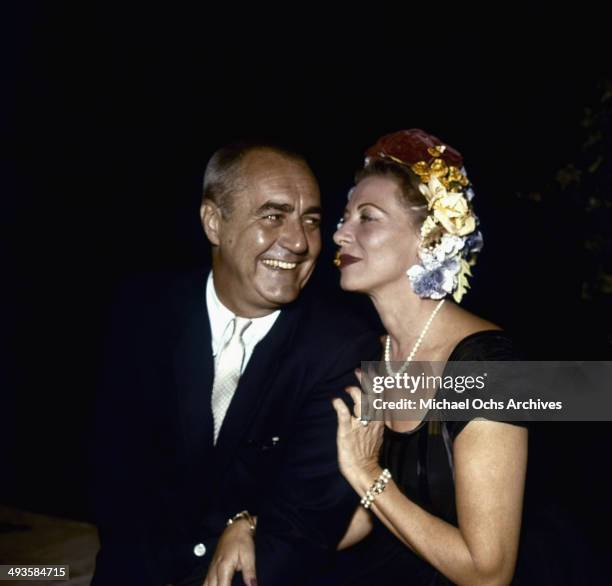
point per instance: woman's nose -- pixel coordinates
(342, 235)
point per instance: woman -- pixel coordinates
(407, 240)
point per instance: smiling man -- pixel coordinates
(261, 213)
(216, 404)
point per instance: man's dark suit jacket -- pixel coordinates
(161, 487)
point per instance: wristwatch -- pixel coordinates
(243, 515)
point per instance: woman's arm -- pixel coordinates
(490, 464)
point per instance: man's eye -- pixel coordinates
(365, 218)
(273, 217)
(313, 221)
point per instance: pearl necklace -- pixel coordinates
(412, 354)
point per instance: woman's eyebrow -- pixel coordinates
(373, 205)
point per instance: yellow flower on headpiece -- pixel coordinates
(449, 175)
(437, 150)
(422, 170)
(456, 176)
(438, 168)
(449, 208)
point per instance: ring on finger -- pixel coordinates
(363, 422)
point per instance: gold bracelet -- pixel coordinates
(379, 485)
(243, 515)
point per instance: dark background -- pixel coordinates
(109, 114)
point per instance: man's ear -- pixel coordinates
(210, 214)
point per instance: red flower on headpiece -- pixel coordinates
(410, 147)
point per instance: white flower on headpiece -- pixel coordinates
(450, 208)
(432, 189)
(448, 246)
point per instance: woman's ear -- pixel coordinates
(210, 215)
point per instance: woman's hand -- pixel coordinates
(358, 444)
(235, 553)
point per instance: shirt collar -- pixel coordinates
(220, 318)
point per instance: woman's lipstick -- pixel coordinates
(346, 260)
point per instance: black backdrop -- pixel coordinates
(109, 114)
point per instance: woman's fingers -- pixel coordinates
(358, 373)
(344, 415)
(355, 393)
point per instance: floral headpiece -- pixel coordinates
(449, 239)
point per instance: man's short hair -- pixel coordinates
(223, 179)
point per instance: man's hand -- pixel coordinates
(235, 553)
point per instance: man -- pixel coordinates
(218, 391)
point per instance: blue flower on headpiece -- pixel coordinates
(473, 243)
(434, 279)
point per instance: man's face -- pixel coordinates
(267, 247)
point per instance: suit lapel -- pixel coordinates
(254, 383)
(194, 374)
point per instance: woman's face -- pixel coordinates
(377, 240)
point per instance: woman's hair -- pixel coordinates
(437, 194)
(408, 182)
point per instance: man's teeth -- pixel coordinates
(279, 264)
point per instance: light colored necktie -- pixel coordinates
(227, 373)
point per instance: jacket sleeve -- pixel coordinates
(121, 470)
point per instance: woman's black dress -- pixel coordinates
(419, 463)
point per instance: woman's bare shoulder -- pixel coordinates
(466, 323)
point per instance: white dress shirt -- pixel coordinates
(220, 318)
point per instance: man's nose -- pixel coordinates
(294, 237)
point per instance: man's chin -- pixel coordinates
(277, 300)
(276, 297)
(281, 287)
